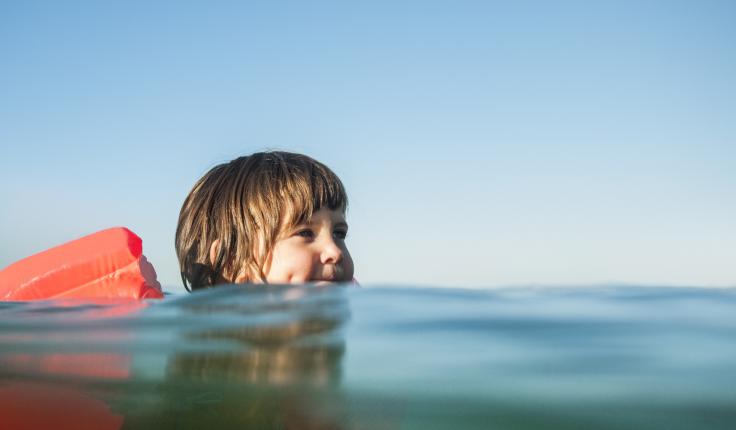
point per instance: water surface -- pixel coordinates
(377, 358)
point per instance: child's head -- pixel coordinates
(273, 217)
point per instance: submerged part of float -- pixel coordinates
(106, 264)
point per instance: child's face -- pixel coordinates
(312, 252)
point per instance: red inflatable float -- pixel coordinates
(106, 264)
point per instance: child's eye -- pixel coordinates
(306, 233)
(341, 234)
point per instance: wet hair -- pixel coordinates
(242, 207)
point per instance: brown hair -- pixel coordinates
(243, 206)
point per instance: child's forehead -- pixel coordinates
(335, 216)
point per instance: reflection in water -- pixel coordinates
(281, 366)
(51, 354)
(287, 336)
(266, 364)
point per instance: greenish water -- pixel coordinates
(385, 358)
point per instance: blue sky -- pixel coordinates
(482, 143)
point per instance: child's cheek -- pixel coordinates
(302, 266)
(349, 266)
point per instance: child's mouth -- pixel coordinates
(329, 276)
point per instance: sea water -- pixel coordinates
(308, 357)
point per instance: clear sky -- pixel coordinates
(482, 143)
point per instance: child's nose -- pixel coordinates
(331, 253)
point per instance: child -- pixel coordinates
(270, 217)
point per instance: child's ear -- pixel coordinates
(214, 249)
(223, 277)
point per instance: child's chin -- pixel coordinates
(323, 282)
